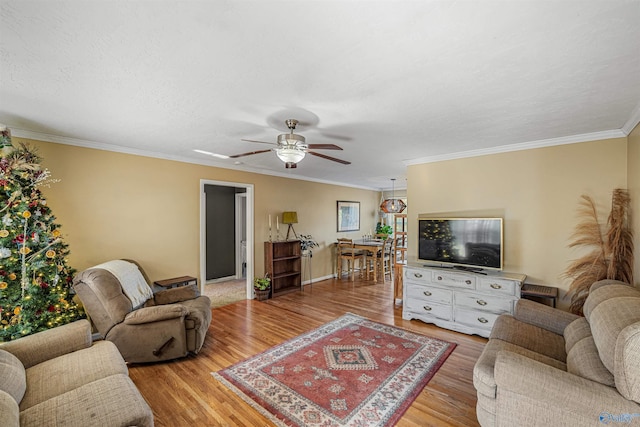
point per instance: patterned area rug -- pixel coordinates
(348, 372)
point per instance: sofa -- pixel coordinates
(543, 366)
(146, 327)
(59, 377)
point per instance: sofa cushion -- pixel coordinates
(102, 297)
(110, 401)
(607, 320)
(534, 338)
(611, 289)
(576, 331)
(9, 411)
(13, 379)
(68, 372)
(41, 346)
(627, 362)
(583, 360)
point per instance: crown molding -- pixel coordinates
(572, 139)
(633, 120)
(27, 134)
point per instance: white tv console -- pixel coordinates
(463, 301)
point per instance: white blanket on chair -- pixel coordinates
(133, 284)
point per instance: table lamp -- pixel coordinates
(290, 218)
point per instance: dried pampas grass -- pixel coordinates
(612, 252)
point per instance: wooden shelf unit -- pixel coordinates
(283, 264)
(399, 253)
(400, 236)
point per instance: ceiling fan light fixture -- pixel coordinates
(291, 139)
(290, 155)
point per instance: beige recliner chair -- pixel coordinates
(146, 327)
(546, 367)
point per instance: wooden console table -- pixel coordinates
(177, 282)
(538, 291)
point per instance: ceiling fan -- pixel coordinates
(291, 148)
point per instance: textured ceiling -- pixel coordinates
(392, 82)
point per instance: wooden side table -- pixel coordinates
(533, 292)
(397, 281)
(177, 282)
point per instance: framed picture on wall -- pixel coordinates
(348, 216)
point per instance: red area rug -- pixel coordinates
(348, 372)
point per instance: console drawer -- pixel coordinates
(477, 319)
(483, 302)
(429, 294)
(429, 309)
(416, 276)
(453, 279)
(498, 286)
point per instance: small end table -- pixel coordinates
(530, 291)
(177, 282)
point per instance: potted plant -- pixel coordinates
(384, 229)
(307, 243)
(262, 287)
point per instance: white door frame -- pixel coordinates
(249, 223)
(241, 202)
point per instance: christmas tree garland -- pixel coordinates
(35, 280)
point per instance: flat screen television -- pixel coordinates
(468, 243)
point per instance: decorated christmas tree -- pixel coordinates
(35, 280)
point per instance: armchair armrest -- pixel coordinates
(532, 385)
(174, 295)
(49, 344)
(155, 314)
(543, 316)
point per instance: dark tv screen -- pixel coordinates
(471, 242)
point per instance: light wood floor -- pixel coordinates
(183, 393)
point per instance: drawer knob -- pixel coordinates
(427, 308)
(468, 282)
(427, 293)
(439, 277)
(481, 302)
(482, 320)
(495, 286)
(418, 275)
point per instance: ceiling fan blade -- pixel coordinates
(324, 156)
(249, 153)
(259, 142)
(324, 147)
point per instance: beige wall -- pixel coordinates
(535, 191)
(114, 205)
(633, 167)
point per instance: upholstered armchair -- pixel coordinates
(145, 326)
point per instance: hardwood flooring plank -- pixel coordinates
(184, 393)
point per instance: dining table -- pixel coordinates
(370, 245)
